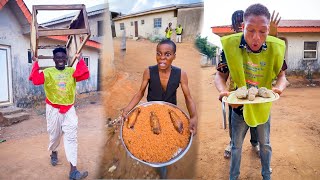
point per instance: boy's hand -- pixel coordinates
(34, 58)
(193, 125)
(222, 94)
(274, 21)
(277, 90)
(227, 93)
(124, 113)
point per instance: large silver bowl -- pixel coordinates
(178, 155)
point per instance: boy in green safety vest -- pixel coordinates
(168, 31)
(179, 31)
(253, 59)
(60, 89)
(237, 21)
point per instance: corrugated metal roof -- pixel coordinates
(160, 9)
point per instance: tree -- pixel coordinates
(204, 47)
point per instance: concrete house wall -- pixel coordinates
(191, 19)
(147, 29)
(295, 47)
(13, 25)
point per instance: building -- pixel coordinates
(153, 22)
(302, 40)
(15, 57)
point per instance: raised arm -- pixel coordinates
(82, 72)
(138, 96)
(190, 103)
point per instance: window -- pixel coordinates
(157, 22)
(175, 13)
(310, 50)
(29, 56)
(121, 26)
(100, 28)
(86, 60)
(132, 23)
(142, 21)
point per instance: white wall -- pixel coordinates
(147, 29)
(295, 46)
(11, 35)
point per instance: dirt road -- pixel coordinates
(295, 130)
(295, 134)
(25, 156)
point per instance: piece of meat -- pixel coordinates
(155, 123)
(133, 117)
(252, 92)
(264, 92)
(242, 92)
(176, 121)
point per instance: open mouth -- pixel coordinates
(162, 64)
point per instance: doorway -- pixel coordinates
(136, 29)
(5, 75)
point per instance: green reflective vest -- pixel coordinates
(254, 69)
(168, 33)
(179, 30)
(59, 85)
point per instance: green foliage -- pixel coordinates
(204, 47)
(156, 38)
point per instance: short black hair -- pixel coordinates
(257, 10)
(59, 49)
(237, 19)
(169, 42)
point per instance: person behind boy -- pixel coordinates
(247, 53)
(179, 31)
(60, 89)
(168, 31)
(237, 21)
(161, 89)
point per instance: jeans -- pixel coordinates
(253, 130)
(239, 130)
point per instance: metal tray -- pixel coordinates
(178, 155)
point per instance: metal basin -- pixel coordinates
(178, 155)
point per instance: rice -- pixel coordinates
(153, 148)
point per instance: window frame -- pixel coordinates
(121, 27)
(88, 60)
(156, 22)
(315, 50)
(100, 32)
(142, 21)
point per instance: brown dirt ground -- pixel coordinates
(294, 133)
(24, 155)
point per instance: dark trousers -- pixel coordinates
(253, 130)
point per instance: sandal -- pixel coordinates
(227, 152)
(76, 175)
(54, 158)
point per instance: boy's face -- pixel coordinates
(256, 29)
(60, 60)
(165, 56)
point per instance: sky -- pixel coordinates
(217, 13)
(123, 6)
